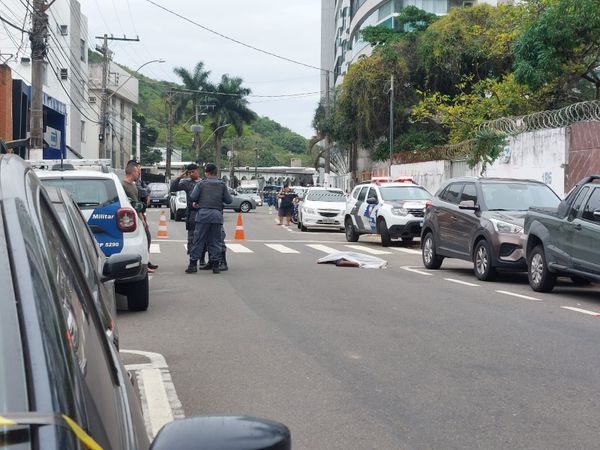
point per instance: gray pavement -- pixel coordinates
(372, 359)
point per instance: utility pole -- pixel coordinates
(169, 135)
(38, 37)
(327, 167)
(102, 151)
(391, 125)
(138, 142)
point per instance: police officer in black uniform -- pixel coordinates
(208, 196)
(187, 182)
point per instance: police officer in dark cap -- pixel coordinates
(187, 182)
(209, 196)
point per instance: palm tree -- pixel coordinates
(229, 106)
(196, 80)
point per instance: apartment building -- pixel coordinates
(65, 80)
(342, 21)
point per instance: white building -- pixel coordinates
(67, 113)
(122, 94)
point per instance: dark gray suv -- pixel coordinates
(481, 220)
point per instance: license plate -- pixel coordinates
(328, 220)
(155, 200)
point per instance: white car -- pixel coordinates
(322, 208)
(112, 219)
(178, 205)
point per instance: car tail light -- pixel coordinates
(126, 220)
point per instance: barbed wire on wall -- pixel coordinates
(577, 112)
(446, 152)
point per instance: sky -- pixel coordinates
(289, 28)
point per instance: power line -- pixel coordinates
(293, 61)
(16, 27)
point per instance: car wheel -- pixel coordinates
(302, 227)
(482, 262)
(540, 278)
(382, 229)
(351, 234)
(299, 224)
(179, 216)
(431, 260)
(138, 295)
(171, 214)
(580, 281)
(245, 207)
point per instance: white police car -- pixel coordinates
(112, 219)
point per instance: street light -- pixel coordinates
(215, 130)
(132, 74)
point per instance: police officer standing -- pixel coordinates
(209, 196)
(187, 182)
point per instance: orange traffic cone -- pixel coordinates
(239, 229)
(162, 227)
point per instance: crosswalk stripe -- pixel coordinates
(322, 248)
(410, 251)
(238, 248)
(154, 248)
(282, 248)
(372, 251)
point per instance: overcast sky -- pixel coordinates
(290, 28)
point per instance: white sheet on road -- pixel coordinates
(359, 259)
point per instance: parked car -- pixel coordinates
(565, 240)
(112, 219)
(393, 210)
(63, 385)
(322, 208)
(159, 194)
(178, 205)
(89, 257)
(241, 202)
(481, 220)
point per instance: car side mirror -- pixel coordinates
(468, 205)
(223, 433)
(596, 214)
(121, 266)
(372, 201)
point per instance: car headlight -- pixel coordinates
(505, 227)
(309, 211)
(399, 212)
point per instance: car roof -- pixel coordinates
(391, 183)
(492, 180)
(75, 174)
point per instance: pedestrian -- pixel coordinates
(187, 182)
(209, 196)
(144, 197)
(286, 207)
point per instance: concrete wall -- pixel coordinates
(538, 155)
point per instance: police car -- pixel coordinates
(109, 214)
(392, 209)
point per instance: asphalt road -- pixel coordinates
(401, 358)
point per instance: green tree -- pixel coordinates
(410, 20)
(148, 138)
(560, 47)
(230, 107)
(194, 81)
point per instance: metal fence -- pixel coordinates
(559, 118)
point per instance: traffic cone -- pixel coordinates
(162, 227)
(239, 229)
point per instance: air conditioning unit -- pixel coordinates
(63, 30)
(64, 74)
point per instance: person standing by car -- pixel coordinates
(187, 182)
(209, 196)
(286, 207)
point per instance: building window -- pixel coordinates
(64, 74)
(82, 50)
(83, 131)
(63, 30)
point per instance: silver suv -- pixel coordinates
(392, 210)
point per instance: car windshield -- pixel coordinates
(395, 193)
(326, 196)
(87, 193)
(518, 196)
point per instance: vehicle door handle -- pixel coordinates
(454, 218)
(577, 227)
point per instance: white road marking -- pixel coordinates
(322, 248)
(410, 251)
(583, 311)
(526, 297)
(372, 251)
(160, 402)
(282, 248)
(154, 248)
(420, 272)
(238, 248)
(464, 283)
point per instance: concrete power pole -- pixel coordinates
(102, 150)
(38, 39)
(138, 142)
(327, 167)
(391, 125)
(169, 135)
